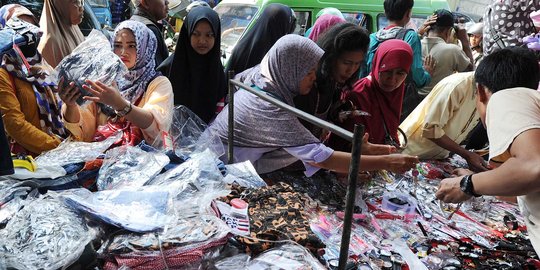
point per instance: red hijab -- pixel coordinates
(384, 107)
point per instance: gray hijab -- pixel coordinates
(259, 123)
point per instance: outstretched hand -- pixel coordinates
(108, 95)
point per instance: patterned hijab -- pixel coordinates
(14, 10)
(34, 70)
(134, 83)
(262, 124)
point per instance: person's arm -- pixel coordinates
(420, 77)
(109, 95)
(466, 46)
(17, 127)
(519, 175)
(158, 100)
(476, 162)
(340, 161)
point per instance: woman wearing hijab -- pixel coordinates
(380, 94)
(30, 109)
(275, 21)
(142, 100)
(324, 11)
(61, 33)
(272, 138)
(196, 72)
(322, 24)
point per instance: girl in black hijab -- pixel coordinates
(196, 72)
(275, 21)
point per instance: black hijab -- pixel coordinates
(198, 80)
(275, 21)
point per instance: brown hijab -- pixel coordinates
(60, 37)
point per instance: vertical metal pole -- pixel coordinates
(230, 141)
(351, 194)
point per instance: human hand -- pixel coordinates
(400, 163)
(376, 149)
(427, 24)
(450, 191)
(461, 34)
(429, 64)
(108, 95)
(476, 162)
(68, 94)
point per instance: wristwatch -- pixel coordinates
(123, 112)
(467, 187)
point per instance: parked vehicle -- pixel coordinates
(238, 15)
(102, 10)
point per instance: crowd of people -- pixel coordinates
(436, 89)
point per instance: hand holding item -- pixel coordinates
(450, 191)
(69, 93)
(108, 95)
(400, 163)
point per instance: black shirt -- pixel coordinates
(6, 165)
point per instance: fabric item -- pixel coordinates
(270, 159)
(450, 58)
(162, 52)
(23, 116)
(276, 213)
(175, 257)
(322, 24)
(14, 10)
(134, 83)
(384, 107)
(157, 99)
(420, 77)
(510, 20)
(131, 135)
(449, 109)
(259, 123)
(6, 165)
(198, 80)
(509, 113)
(275, 21)
(328, 10)
(60, 37)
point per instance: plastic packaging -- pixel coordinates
(138, 210)
(235, 262)
(93, 60)
(12, 198)
(69, 152)
(45, 234)
(243, 174)
(399, 203)
(288, 256)
(129, 166)
(183, 232)
(189, 136)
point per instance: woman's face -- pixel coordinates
(125, 47)
(346, 65)
(76, 8)
(389, 80)
(307, 82)
(202, 39)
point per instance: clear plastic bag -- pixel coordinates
(129, 166)
(45, 234)
(189, 136)
(69, 152)
(180, 233)
(138, 210)
(238, 261)
(12, 198)
(288, 256)
(92, 60)
(243, 174)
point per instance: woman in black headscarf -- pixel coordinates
(275, 21)
(196, 72)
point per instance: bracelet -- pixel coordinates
(124, 111)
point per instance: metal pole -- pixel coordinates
(351, 195)
(230, 142)
(343, 133)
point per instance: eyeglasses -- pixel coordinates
(78, 3)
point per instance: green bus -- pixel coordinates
(238, 15)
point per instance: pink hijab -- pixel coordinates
(324, 23)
